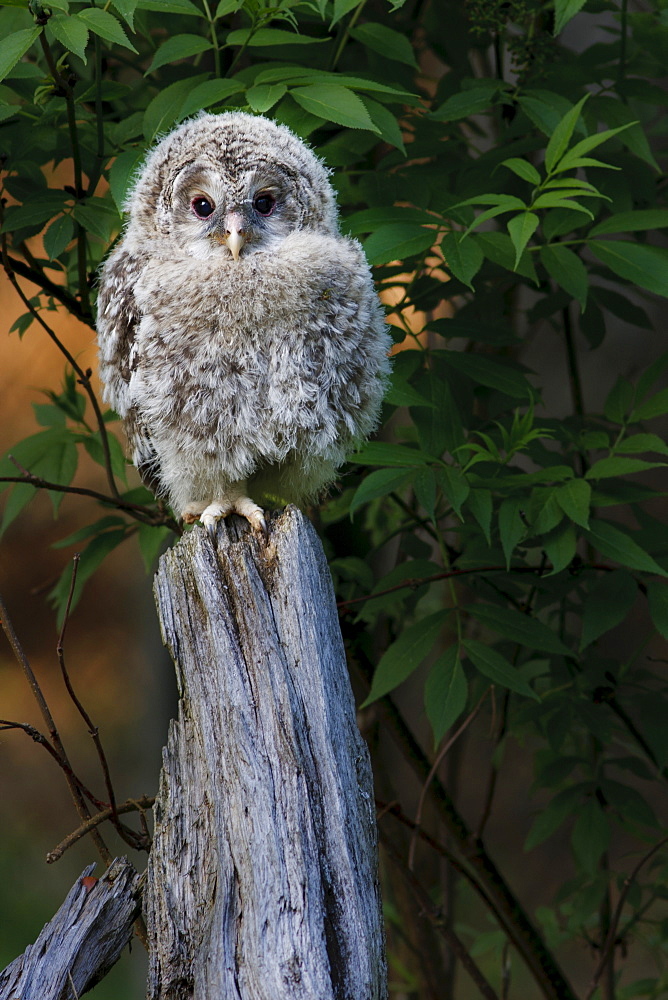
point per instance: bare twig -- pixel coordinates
(138, 511)
(434, 768)
(128, 835)
(58, 292)
(84, 377)
(41, 739)
(415, 582)
(433, 914)
(56, 742)
(131, 805)
(611, 938)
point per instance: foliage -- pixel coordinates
(501, 183)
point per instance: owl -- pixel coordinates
(240, 336)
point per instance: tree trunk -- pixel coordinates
(82, 942)
(262, 880)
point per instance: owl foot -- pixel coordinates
(218, 509)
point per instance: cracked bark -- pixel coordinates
(82, 942)
(262, 881)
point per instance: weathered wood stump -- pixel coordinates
(262, 881)
(83, 940)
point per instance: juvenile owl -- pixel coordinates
(240, 336)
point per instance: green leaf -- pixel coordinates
(126, 8)
(70, 32)
(567, 269)
(424, 486)
(390, 43)
(617, 465)
(574, 157)
(638, 443)
(616, 544)
(383, 453)
(207, 93)
(519, 628)
(559, 199)
(564, 10)
(463, 257)
(485, 371)
(178, 47)
(560, 546)
(122, 175)
(15, 47)
(523, 169)
(169, 6)
(164, 109)
(655, 406)
(619, 401)
(379, 484)
(561, 136)
(263, 96)
(57, 236)
(591, 836)
(511, 526)
(93, 445)
(553, 816)
(497, 668)
(646, 266)
(38, 210)
(629, 222)
(90, 559)
(474, 101)
(479, 502)
(341, 8)
(335, 104)
(455, 486)
(386, 123)
(152, 540)
(574, 498)
(96, 217)
(521, 228)
(657, 594)
(445, 692)
(397, 241)
(20, 497)
(269, 37)
(405, 655)
(106, 26)
(607, 605)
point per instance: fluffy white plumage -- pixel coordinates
(240, 336)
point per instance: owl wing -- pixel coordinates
(117, 322)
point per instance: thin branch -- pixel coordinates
(141, 513)
(434, 768)
(610, 941)
(51, 288)
(128, 835)
(130, 805)
(434, 915)
(41, 739)
(414, 582)
(56, 742)
(83, 376)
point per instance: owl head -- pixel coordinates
(230, 185)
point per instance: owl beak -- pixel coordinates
(234, 233)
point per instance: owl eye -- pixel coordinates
(202, 207)
(264, 204)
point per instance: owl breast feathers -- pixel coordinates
(240, 336)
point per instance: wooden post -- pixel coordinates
(262, 880)
(82, 941)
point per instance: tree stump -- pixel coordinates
(82, 942)
(262, 880)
